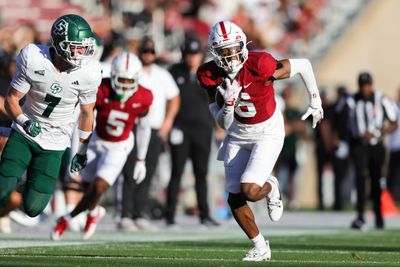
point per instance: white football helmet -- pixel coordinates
(125, 71)
(227, 44)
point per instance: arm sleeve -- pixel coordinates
(143, 134)
(304, 68)
(390, 109)
(20, 79)
(224, 116)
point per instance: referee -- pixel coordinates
(372, 116)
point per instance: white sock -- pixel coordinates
(259, 243)
(68, 217)
(93, 212)
(70, 207)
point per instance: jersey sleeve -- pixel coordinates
(20, 79)
(207, 80)
(88, 95)
(266, 65)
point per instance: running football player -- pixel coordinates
(54, 79)
(255, 131)
(120, 100)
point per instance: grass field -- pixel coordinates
(350, 249)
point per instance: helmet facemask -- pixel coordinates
(124, 86)
(230, 57)
(77, 53)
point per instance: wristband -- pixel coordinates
(21, 119)
(82, 148)
(83, 134)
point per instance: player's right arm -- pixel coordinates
(212, 84)
(19, 87)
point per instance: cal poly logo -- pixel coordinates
(55, 88)
(61, 27)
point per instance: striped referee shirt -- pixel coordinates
(369, 115)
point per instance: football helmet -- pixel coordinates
(73, 39)
(125, 71)
(227, 43)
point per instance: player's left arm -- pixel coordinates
(85, 129)
(290, 67)
(143, 135)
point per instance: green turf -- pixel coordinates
(350, 249)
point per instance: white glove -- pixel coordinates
(231, 92)
(317, 114)
(140, 171)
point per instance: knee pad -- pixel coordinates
(72, 184)
(236, 201)
(35, 202)
(7, 184)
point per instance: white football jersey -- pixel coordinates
(52, 96)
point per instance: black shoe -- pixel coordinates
(358, 224)
(379, 224)
(209, 222)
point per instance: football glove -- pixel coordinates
(32, 127)
(140, 171)
(231, 92)
(78, 162)
(317, 115)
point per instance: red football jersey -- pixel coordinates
(257, 98)
(115, 119)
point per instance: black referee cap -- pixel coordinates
(364, 78)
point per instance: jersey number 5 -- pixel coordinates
(53, 102)
(115, 125)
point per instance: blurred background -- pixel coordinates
(340, 37)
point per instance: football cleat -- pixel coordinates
(274, 200)
(59, 229)
(91, 223)
(255, 254)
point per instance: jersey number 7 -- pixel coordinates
(53, 102)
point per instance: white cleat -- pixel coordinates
(255, 255)
(274, 200)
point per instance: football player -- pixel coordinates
(120, 100)
(54, 79)
(255, 131)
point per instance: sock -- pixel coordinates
(259, 243)
(93, 212)
(70, 207)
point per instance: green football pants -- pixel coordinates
(42, 168)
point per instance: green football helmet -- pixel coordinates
(73, 39)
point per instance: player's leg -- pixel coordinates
(377, 157)
(14, 161)
(236, 159)
(90, 175)
(41, 178)
(256, 182)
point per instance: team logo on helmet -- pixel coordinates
(61, 27)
